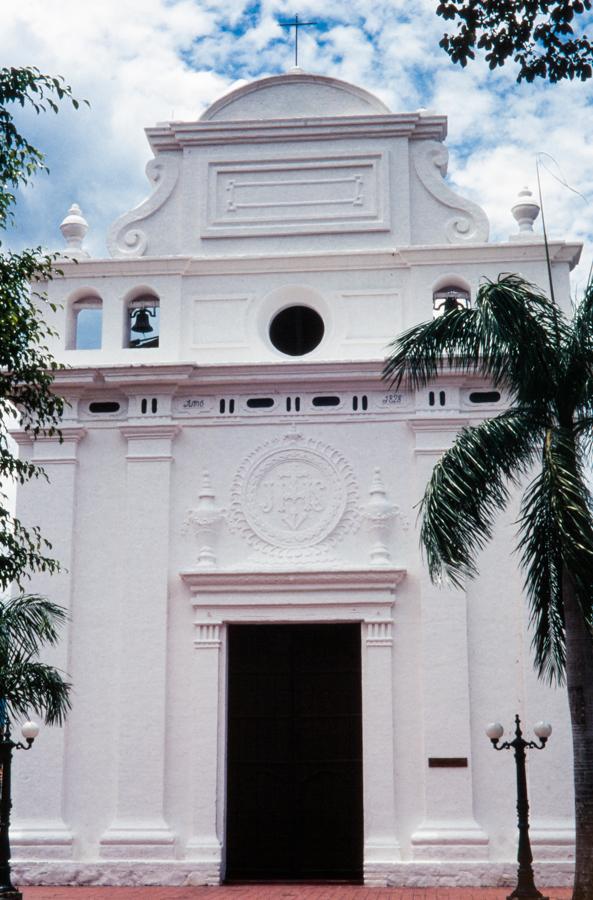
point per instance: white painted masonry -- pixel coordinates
(165, 506)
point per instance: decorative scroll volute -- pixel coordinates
(125, 238)
(469, 222)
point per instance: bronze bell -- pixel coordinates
(141, 322)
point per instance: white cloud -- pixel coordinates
(141, 61)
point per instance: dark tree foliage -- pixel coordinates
(26, 365)
(546, 38)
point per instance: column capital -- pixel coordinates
(150, 442)
(152, 430)
(207, 635)
(59, 448)
(435, 435)
(379, 633)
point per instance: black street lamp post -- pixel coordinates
(30, 731)
(526, 889)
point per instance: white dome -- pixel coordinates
(297, 95)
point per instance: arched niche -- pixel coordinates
(84, 320)
(450, 291)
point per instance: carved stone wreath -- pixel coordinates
(291, 497)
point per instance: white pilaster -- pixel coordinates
(39, 827)
(139, 829)
(448, 830)
(381, 847)
(205, 843)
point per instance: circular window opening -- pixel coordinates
(296, 330)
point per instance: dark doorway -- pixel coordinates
(294, 776)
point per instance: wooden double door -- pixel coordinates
(294, 776)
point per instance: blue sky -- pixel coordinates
(142, 61)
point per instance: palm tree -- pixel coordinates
(27, 623)
(522, 342)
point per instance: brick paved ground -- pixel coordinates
(276, 892)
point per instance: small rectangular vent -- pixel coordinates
(328, 400)
(104, 406)
(484, 397)
(260, 403)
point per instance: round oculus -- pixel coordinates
(296, 330)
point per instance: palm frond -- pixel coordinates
(26, 686)
(423, 352)
(541, 560)
(571, 505)
(524, 333)
(469, 484)
(29, 622)
(511, 337)
(582, 320)
(577, 368)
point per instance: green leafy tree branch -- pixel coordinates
(544, 38)
(26, 364)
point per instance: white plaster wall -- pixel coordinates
(136, 784)
(500, 680)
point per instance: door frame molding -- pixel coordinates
(324, 596)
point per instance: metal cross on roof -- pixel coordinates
(296, 25)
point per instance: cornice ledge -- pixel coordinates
(282, 580)
(74, 381)
(400, 257)
(121, 265)
(175, 135)
(183, 265)
(165, 374)
(76, 377)
(330, 371)
(71, 434)
(478, 251)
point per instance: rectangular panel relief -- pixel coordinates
(219, 321)
(373, 319)
(300, 196)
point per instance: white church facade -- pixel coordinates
(266, 684)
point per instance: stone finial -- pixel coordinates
(204, 520)
(525, 211)
(74, 228)
(380, 514)
(206, 495)
(378, 495)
